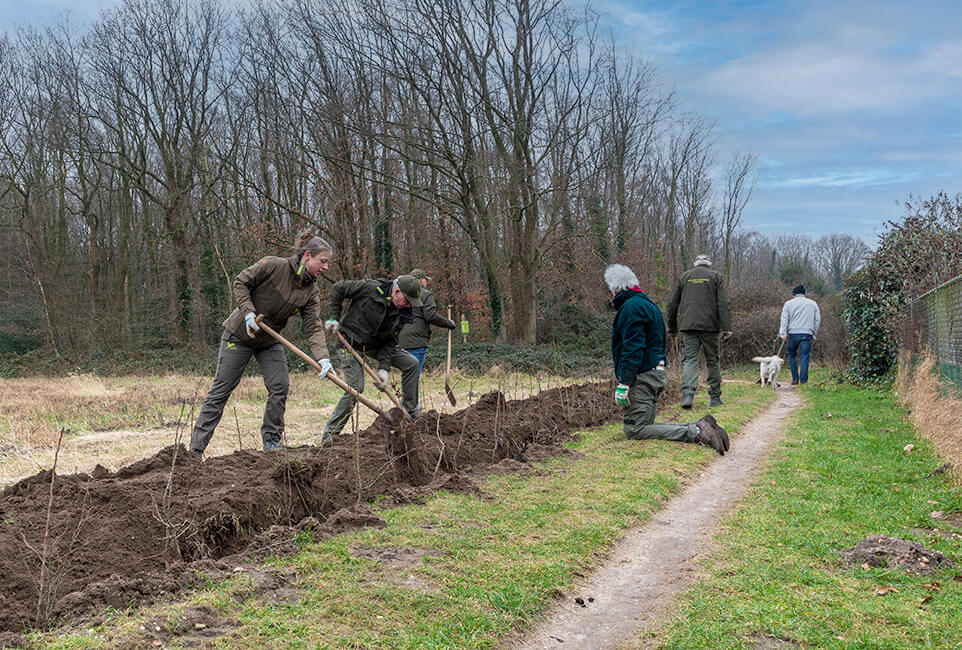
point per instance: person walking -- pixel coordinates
(799, 326)
(277, 288)
(416, 334)
(638, 354)
(699, 308)
(377, 311)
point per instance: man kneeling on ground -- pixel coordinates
(638, 353)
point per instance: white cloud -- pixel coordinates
(853, 69)
(845, 179)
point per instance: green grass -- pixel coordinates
(492, 564)
(833, 481)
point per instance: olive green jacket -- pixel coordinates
(699, 302)
(278, 288)
(417, 333)
(371, 321)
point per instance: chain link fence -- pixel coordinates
(936, 318)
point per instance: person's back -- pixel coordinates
(699, 309)
(699, 302)
(798, 327)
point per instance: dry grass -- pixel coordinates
(114, 421)
(935, 407)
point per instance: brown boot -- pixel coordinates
(709, 437)
(719, 430)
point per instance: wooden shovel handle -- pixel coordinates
(447, 370)
(374, 375)
(314, 364)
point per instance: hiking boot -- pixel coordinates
(708, 436)
(273, 445)
(719, 430)
(197, 453)
(686, 400)
(715, 401)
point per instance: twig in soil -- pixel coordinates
(240, 443)
(46, 531)
(172, 531)
(437, 432)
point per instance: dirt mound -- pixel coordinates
(128, 536)
(894, 552)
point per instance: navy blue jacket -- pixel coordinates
(637, 335)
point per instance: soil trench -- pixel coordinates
(73, 544)
(651, 566)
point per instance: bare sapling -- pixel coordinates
(173, 529)
(43, 596)
(240, 443)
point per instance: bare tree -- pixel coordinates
(159, 60)
(740, 181)
(838, 255)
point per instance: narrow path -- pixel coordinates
(651, 566)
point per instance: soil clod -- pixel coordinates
(894, 552)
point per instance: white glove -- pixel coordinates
(251, 324)
(383, 375)
(326, 367)
(331, 325)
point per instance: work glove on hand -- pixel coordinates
(452, 325)
(326, 367)
(621, 395)
(726, 335)
(251, 324)
(331, 325)
(383, 376)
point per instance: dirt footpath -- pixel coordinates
(653, 564)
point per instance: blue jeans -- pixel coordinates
(419, 354)
(802, 343)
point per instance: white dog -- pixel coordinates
(768, 368)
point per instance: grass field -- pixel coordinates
(840, 475)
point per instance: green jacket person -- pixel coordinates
(638, 355)
(371, 323)
(277, 287)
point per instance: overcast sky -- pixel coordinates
(850, 106)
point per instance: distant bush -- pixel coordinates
(576, 326)
(478, 358)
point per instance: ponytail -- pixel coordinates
(305, 240)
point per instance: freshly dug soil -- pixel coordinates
(124, 537)
(894, 552)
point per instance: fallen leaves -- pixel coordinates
(886, 590)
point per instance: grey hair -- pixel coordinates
(619, 277)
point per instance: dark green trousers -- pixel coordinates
(354, 377)
(692, 343)
(639, 415)
(232, 358)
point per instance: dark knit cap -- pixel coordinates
(800, 289)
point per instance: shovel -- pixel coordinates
(447, 371)
(391, 416)
(385, 389)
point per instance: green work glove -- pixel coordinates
(621, 395)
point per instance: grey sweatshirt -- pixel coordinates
(800, 315)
